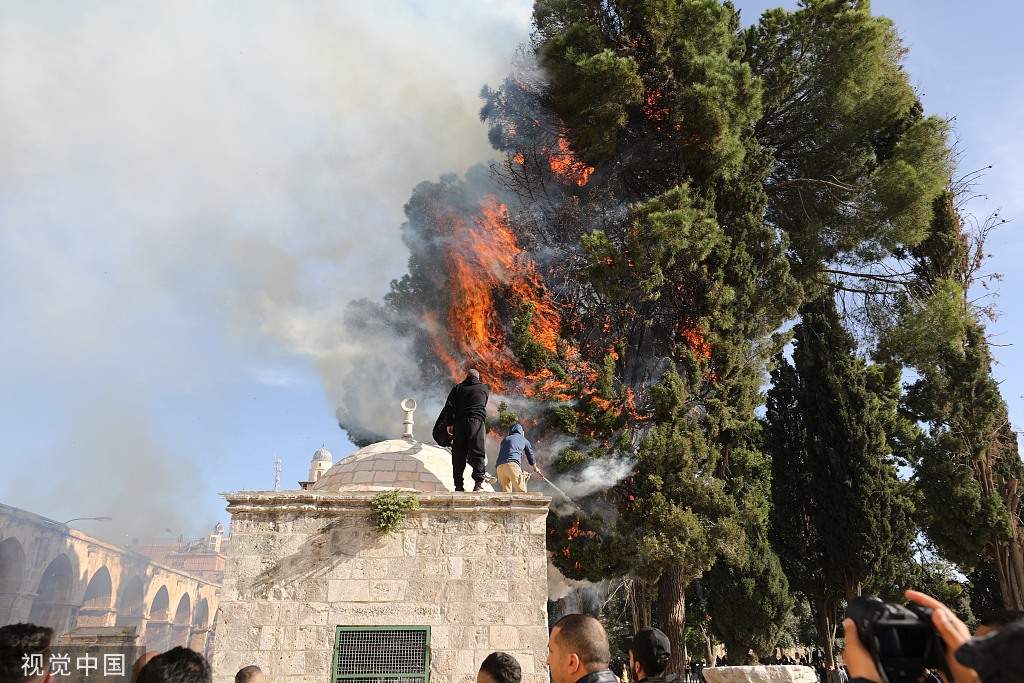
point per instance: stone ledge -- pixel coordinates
(357, 502)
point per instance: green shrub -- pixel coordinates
(389, 510)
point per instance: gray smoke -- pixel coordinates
(596, 476)
(191, 194)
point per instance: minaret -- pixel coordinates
(322, 461)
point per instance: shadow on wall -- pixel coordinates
(318, 557)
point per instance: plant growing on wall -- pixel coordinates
(389, 510)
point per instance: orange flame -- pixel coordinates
(566, 166)
(695, 341)
(653, 108)
(486, 267)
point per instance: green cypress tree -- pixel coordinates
(850, 515)
(749, 602)
(968, 469)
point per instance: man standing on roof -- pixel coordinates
(465, 413)
(510, 460)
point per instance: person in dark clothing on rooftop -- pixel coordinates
(465, 413)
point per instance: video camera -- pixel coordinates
(902, 640)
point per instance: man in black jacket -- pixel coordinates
(578, 651)
(465, 413)
(649, 652)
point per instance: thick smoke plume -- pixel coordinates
(191, 194)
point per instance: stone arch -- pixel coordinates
(96, 605)
(52, 606)
(131, 605)
(158, 628)
(183, 615)
(201, 627)
(160, 608)
(12, 574)
(182, 628)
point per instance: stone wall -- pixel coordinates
(470, 566)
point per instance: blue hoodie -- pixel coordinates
(513, 446)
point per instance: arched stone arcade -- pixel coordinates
(60, 577)
(13, 599)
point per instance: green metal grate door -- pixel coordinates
(382, 654)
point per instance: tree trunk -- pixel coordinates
(672, 616)
(824, 610)
(1009, 552)
(709, 647)
(1009, 563)
(638, 595)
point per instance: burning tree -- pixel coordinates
(673, 188)
(736, 173)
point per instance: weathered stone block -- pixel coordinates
(352, 590)
(503, 638)
(760, 674)
(490, 591)
(387, 591)
(313, 614)
(424, 591)
(314, 637)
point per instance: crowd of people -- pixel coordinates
(579, 652)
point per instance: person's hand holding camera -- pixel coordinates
(858, 660)
(953, 631)
(861, 663)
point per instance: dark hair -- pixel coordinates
(502, 667)
(247, 673)
(584, 635)
(1001, 617)
(177, 665)
(18, 640)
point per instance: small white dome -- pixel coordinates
(396, 463)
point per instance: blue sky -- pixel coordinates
(191, 193)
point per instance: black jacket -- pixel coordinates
(605, 676)
(467, 401)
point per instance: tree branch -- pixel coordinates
(810, 181)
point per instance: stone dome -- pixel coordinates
(396, 463)
(323, 455)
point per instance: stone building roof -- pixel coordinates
(395, 463)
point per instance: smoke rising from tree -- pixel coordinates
(192, 194)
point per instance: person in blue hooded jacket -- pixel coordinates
(510, 460)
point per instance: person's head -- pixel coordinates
(18, 641)
(516, 429)
(178, 665)
(499, 667)
(249, 674)
(578, 646)
(649, 652)
(142, 661)
(472, 373)
(993, 621)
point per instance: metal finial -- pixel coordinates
(408, 406)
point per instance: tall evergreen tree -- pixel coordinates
(749, 602)
(838, 501)
(968, 469)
